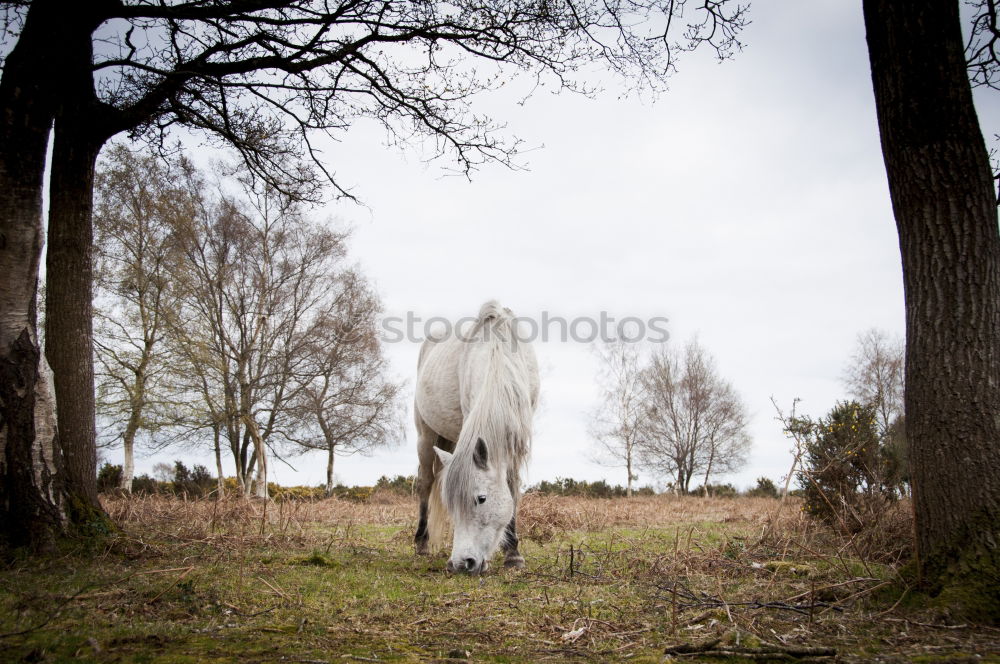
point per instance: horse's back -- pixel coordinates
(437, 401)
(453, 364)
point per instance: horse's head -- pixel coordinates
(480, 525)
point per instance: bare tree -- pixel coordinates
(618, 424)
(260, 282)
(347, 404)
(802, 431)
(138, 202)
(874, 375)
(695, 420)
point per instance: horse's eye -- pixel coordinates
(480, 500)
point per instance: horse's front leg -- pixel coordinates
(511, 556)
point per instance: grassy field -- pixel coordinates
(649, 579)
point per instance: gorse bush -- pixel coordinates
(194, 483)
(765, 488)
(401, 484)
(144, 485)
(294, 492)
(716, 491)
(848, 476)
(109, 478)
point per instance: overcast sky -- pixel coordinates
(748, 205)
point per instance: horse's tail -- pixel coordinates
(437, 517)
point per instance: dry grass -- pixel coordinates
(542, 517)
(607, 580)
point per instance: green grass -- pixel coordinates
(315, 586)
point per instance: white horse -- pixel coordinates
(476, 394)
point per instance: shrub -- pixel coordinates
(109, 478)
(193, 483)
(566, 486)
(295, 492)
(765, 488)
(230, 486)
(716, 491)
(847, 476)
(357, 494)
(401, 484)
(146, 485)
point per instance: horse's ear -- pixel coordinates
(479, 457)
(443, 456)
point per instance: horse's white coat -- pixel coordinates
(478, 388)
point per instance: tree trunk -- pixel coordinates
(260, 483)
(220, 480)
(128, 463)
(132, 427)
(329, 471)
(82, 126)
(31, 499)
(708, 473)
(68, 305)
(791, 472)
(946, 216)
(628, 469)
(248, 480)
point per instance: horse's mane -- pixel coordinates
(501, 413)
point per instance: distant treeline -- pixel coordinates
(601, 489)
(198, 482)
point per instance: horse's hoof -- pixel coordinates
(423, 550)
(514, 562)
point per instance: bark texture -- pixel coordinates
(81, 128)
(31, 506)
(69, 310)
(945, 209)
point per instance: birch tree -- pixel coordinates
(259, 282)
(139, 201)
(874, 375)
(695, 422)
(618, 424)
(347, 404)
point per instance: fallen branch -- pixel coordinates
(768, 656)
(923, 624)
(782, 653)
(830, 587)
(804, 609)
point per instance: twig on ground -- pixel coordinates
(176, 581)
(923, 624)
(711, 648)
(278, 591)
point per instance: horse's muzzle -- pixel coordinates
(468, 566)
